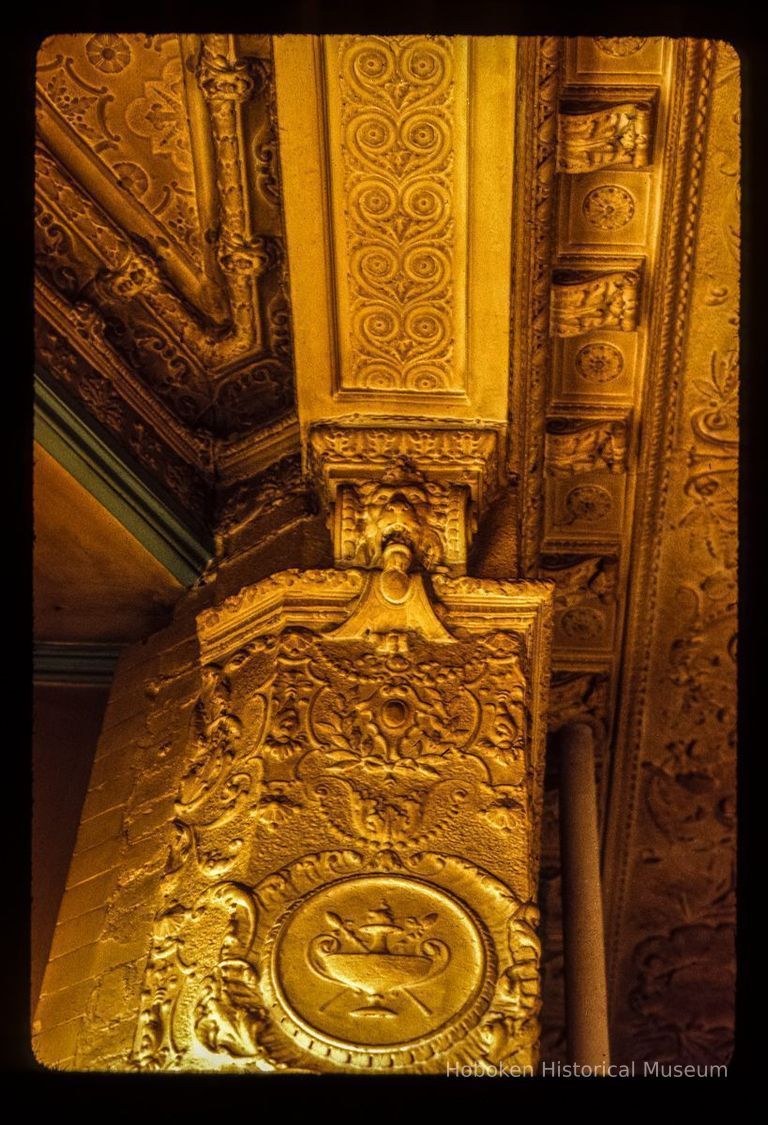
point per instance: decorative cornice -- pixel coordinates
(151, 516)
(185, 279)
(65, 662)
(665, 388)
(364, 448)
(243, 457)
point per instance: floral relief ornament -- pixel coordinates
(608, 208)
(108, 53)
(599, 363)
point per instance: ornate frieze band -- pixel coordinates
(398, 109)
(389, 157)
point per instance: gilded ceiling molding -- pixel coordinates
(82, 331)
(614, 136)
(602, 146)
(132, 155)
(240, 457)
(670, 849)
(147, 213)
(582, 301)
(249, 501)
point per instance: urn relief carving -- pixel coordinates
(352, 875)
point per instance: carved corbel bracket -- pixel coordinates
(423, 488)
(583, 300)
(402, 507)
(603, 136)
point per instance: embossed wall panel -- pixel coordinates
(400, 210)
(352, 867)
(671, 882)
(397, 179)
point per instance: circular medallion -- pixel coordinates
(588, 502)
(599, 363)
(108, 53)
(387, 963)
(620, 47)
(378, 961)
(608, 208)
(582, 623)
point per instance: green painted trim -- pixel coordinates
(65, 662)
(181, 545)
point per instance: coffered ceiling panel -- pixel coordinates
(161, 256)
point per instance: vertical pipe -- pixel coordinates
(586, 1002)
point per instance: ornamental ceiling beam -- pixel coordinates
(397, 161)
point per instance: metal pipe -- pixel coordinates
(586, 999)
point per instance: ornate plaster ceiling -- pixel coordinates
(554, 275)
(161, 275)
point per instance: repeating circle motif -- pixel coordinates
(378, 324)
(422, 325)
(369, 67)
(373, 64)
(375, 201)
(377, 264)
(423, 201)
(608, 208)
(425, 378)
(425, 64)
(372, 134)
(380, 378)
(599, 363)
(588, 502)
(426, 265)
(424, 135)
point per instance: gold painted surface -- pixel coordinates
(594, 448)
(93, 580)
(403, 203)
(391, 953)
(400, 278)
(362, 801)
(161, 279)
(672, 881)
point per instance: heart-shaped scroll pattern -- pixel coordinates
(397, 130)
